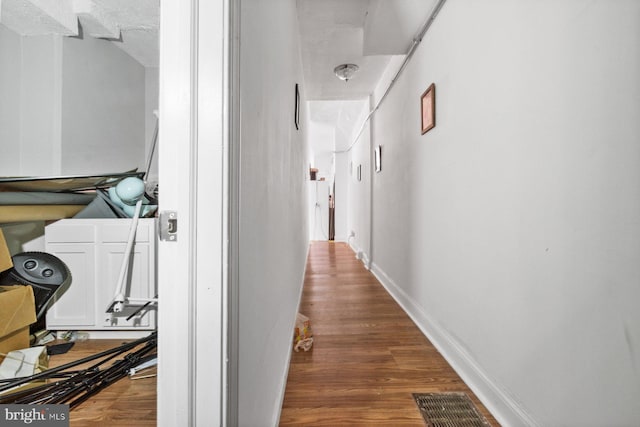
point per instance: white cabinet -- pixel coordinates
(93, 250)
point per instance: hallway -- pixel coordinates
(367, 356)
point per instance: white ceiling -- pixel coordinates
(363, 32)
(132, 25)
(332, 32)
(341, 117)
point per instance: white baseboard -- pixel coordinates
(283, 386)
(361, 255)
(503, 407)
(354, 249)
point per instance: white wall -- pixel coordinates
(273, 205)
(40, 98)
(341, 195)
(323, 161)
(321, 143)
(359, 192)
(71, 106)
(103, 108)
(10, 52)
(151, 105)
(510, 231)
(349, 122)
(29, 105)
(318, 192)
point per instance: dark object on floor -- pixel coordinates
(44, 272)
(72, 386)
(449, 409)
(59, 348)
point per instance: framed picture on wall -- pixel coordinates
(378, 158)
(296, 113)
(428, 109)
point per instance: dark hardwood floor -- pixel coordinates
(367, 358)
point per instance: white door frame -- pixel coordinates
(193, 171)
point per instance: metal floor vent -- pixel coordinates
(449, 410)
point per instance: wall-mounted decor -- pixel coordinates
(428, 108)
(313, 173)
(359, 173)
(378, 158)
(296, 117)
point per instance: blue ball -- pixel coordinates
(130, 190)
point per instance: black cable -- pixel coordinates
(147, 304)
(79, 387)
(114, 352)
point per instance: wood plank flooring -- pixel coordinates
(125, 403)
(367, 358)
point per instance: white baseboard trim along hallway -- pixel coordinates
(502, 406)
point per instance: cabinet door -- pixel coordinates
(139, 283)
(93, 249)
(75, 306)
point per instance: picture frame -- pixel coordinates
(377, 157)
(296, 113)
(428, 109)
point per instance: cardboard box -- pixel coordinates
(17, 309)
(5, 255)
(23, 363)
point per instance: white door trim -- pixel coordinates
(192, 166)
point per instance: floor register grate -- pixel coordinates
(449, 410)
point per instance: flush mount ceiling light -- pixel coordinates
(345, 71)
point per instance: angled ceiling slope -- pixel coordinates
(392, 25)
(331, 33)
(362, 32)
(131, 25)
